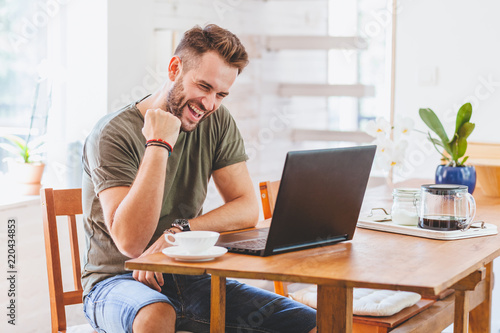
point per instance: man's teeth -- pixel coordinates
(195, 109)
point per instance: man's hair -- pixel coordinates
(198, 41)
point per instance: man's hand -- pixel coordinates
(154, 280)
(159, 124)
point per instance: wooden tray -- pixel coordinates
(389, 226)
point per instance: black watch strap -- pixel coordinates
(182, 224)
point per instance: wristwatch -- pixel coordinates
(182, 224)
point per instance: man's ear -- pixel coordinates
(174, 68)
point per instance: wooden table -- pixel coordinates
(373, 259)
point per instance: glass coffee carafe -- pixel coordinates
(445, 207)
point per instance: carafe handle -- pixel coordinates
(471, 208)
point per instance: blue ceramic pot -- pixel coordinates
(464, 175)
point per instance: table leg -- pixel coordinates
(463, 291)
(334, 309)
(218, 304)
(461, 311)
(480, 317)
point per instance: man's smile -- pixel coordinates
(195, 111)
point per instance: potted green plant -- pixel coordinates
(453, 149)
(27, 169)
(26, 150)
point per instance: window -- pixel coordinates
(22, 48)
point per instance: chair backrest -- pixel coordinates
(268, 195)
(61, 203)
(486, 158)
(483, 151)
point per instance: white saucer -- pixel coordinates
(182, 255)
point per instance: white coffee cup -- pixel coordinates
(193, 241)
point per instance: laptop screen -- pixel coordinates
(318, 202)
(320, 197)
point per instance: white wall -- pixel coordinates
(77, 48)
(130, 51)
(86, 63)
(133, 64)
(458, 39)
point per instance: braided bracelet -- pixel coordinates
(159, 143)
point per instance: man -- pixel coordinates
(146, 169)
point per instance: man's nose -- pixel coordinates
(209, 101)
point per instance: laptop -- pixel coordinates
(318, 202)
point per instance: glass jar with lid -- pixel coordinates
(404, 206)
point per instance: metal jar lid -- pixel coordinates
(406, 192)
(444, 189)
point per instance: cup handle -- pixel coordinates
(471, 210)
(167, 235)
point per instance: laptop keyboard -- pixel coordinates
(252, 244)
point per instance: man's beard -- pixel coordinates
(175, 105)
(174, 99)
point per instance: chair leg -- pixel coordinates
(280, 288)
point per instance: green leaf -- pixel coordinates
(432, 121)
(16, 141)
(463, 116)
(37, 145)
(461, 148)
(437, 142)
(453, 145)
(465, 159)
(466, 130)
(11, 148)
(458, 145)
(19, 146)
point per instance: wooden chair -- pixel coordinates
(486, 159)
(483, 150)
(425, 316)
(62, 203)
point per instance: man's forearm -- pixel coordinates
(132, 214)
(136, 217)
(240, 213)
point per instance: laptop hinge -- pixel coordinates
(317, 243)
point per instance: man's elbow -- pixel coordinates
(127, 246)
(255, 217)
(253, 214)
(130, 250)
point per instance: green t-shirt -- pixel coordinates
(111, 157)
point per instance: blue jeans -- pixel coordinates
(112, 305)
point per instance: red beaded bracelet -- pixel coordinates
(162, 141)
